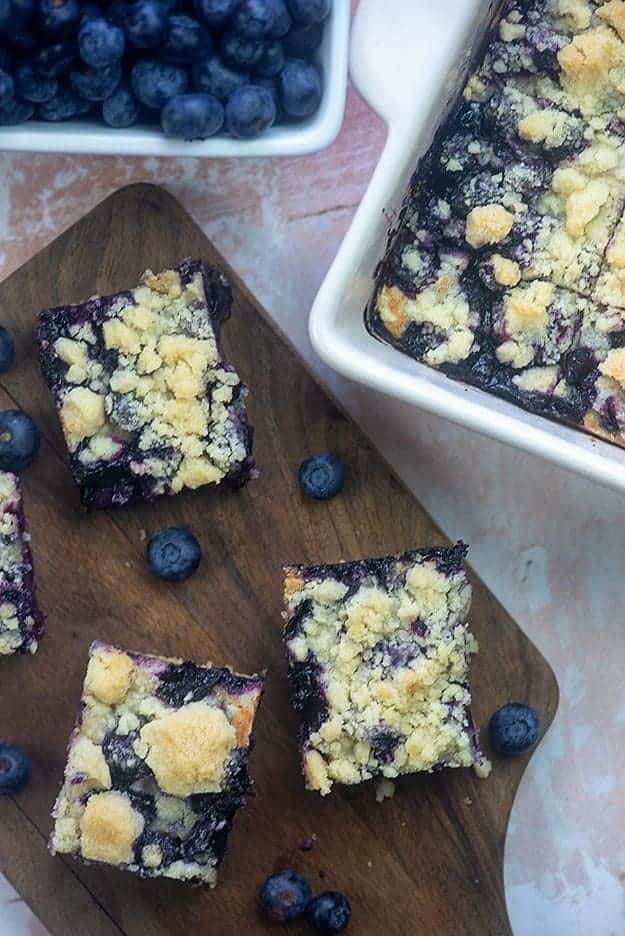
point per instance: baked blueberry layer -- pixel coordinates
(157, 765)
(147, 403)
(21, 621)
(378, 660)
(506, 266)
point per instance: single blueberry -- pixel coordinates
(192, 116)
(285, 896)
(310, 11)
(303, 40)
(282, 21)
(272, 60)
(321, 476)
(144, 23)
(65, 105)
(95, 84)
(240, 51)
(578, 364)
(513, 728)
(249, 111)
(173, 554)
(101, 43)
(213, 77)
(154, 83)
(253, 18)
(15, 112)
(7, 349)
(300, 88)
(58, 17)
(33, 86)
(15, 769)
(215, 13)
(121, 109)
(19, 440)
(55, 59)
(7, 86)
(185, 40)
(329, 912)
(271, 85)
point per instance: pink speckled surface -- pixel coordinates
(548, 544)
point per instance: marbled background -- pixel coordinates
(548, 544)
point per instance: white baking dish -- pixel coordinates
(407, 60)
(284, 140)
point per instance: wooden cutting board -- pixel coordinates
(427, 861)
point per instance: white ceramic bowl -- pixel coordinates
(284, 140)
(407, 59)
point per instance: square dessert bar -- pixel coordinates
(506, 269)
(157, 765)
(378, 653)
(147, 404)
(21, 621)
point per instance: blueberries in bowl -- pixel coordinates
(19, 440)
(173, 553)
(256, 57)
(192, 116)
(15, 769)
(285, 896)
(250, 110)
(513, 728)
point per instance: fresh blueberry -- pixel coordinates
(271, 85)
(155, 83)
(14, 769)
(282, 21)
(19, 440)
(121, 109)
(185, 40)
(101, 43)
(254, 18)
(174, 554)
(144, 23)
(310, 11)
(33, 86)
(272, 60)
(192, 116)
(303, 40)
(213, 77)
(58, 17)
(513, 728)
(285, 896)
(249, 111)
(215, 13)
(15, 112)
(55, 59)
(240, 51)
(95, 84)
(300, 88)
(321, 476)
(329, 912)
(7, 86)
(7, 349)
(65, 105)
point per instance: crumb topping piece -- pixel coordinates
(109, 828)
(488, 224)
(109, 675)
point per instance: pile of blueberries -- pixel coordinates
(197, 66)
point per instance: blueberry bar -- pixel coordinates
(147, 404)
(157, 765)
(21, 621)
(505, 269)
(378, 657)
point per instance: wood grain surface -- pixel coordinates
(430, 860)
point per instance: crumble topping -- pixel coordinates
(142, 386)
(488, 224)
(157, 764)
(385, 661)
